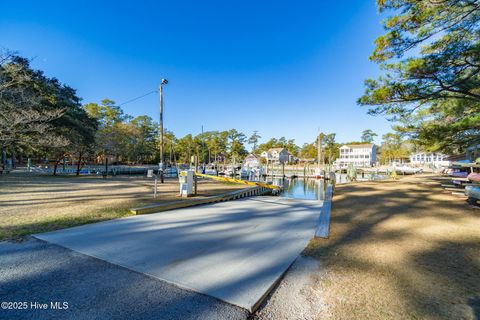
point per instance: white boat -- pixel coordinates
(170, 171)
(211, 170)
(252, 173)
(407, 170)
(229, 171)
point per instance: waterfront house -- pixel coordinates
(277, 155)
(251, 161)
(429, 159)
(360, 155)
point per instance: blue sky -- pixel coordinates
(285, 68)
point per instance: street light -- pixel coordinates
(162, 162)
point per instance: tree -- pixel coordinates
(217, 144)
(430, 55)
(39, 114)
(279, 143)
(331, 148)
(169, 141)
(392, 148)
(308, 151)
(186, 147)
(272, 143)
(236, 141)
(25, 114)
(368, 136)
(113, 134)
(254, 140)
(292, 147)
(142, 143)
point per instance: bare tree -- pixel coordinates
(23, 117)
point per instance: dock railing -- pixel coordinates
(237, 194)
(323, 227)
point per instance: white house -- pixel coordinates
(360, 155)
(277, 155)
(251, 161)
(422, 158)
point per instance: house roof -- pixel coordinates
(276, 149)
(456, 157)
(357, 146)
(426, 153)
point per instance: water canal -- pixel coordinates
(298, 188)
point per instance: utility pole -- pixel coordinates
(319, 150)
(203, 146)
(162, 159)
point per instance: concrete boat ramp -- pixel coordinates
(234, 251)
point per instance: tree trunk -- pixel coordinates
(14, 159)
(55, 166)
(4, 158)
(79, 163)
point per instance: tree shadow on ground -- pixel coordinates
(242, 235)
(437, 274)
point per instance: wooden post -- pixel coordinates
(155, 189)
(195, 176)
(106, 168)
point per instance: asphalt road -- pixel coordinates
(37, 272)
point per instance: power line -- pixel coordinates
(139, 97)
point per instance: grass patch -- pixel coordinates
(18, 232)
(33, 203)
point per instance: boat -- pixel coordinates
(473, 193)
(211, 170)
(171, 170)
(319, 173)
(407, 170)
(475, 177)
(459, 174)
(252, 173)
(231, 170)
(245, 172)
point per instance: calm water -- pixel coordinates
(312, 189)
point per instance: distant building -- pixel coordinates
(251, 161)
(422, 158)
(277, 155)
(360, 155)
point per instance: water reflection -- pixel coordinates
(311, 189)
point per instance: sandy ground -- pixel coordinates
(30, 204)
(295, 297)
(397, 250)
